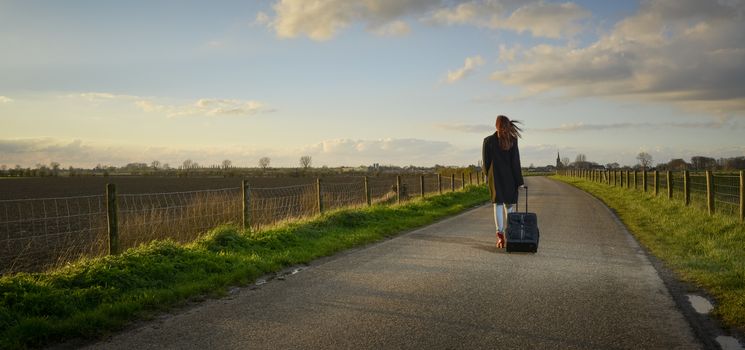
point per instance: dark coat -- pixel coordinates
(503, 170)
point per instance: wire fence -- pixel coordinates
(180, 216)
(715, 192)
(37, 234)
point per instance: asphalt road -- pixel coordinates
(445, 286)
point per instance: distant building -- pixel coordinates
(558, 161)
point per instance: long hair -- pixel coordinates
(507, 132)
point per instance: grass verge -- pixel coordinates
(708, 251)
(93, 297)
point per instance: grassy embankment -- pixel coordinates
(92, 297)
(708, 251)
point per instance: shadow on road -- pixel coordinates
(460, 240)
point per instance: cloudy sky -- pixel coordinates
(353, 82)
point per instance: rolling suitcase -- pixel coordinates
(522, 230)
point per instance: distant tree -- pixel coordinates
(703, 163)
(155, 164)
(677, 164)
(187, 164)
(166, 166)
(227, 164)
(136, 166)
(644, 159)
(581, 161)
(734, 163)
(565, 161)
(305, 161)
(264, 162)
(613, 165)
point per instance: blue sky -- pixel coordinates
(368, 81)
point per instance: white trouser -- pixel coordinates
(500, 215)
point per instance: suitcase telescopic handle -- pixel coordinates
(526, 197)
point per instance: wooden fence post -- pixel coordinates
(686, 188)
(478, 178)
(628, 185)
(669, 184)
(246, 222)
(320, 201)
(452, 182)
(656, 182)
(470, 178)
(742, 196)
(644, 179)
(421, 184)
(439, 184)
(367, 192)
(398, 189)
(634, 179)
(111, 209)
(710, 192)
(462, 180)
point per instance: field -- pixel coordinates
(47, 222)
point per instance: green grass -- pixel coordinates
(94, 297)
(708, 251)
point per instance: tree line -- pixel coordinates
(226, 168)
(645, 161)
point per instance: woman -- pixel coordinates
(502, 165)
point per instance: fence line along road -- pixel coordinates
(36, 234)
(722, 192)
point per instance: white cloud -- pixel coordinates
(688, 52)
(467, 128)
(581, 126)
(549, 20)
(28, 152)
(395, 28)
(262, 19)
(478, 13)
(214, 108)
(577, 127)
(4, 99)
(541, 19)
(211, 107)
(470, 64)
(507, 54)
(322, 19)
(102, 96)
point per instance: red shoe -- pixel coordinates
(500, 240)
